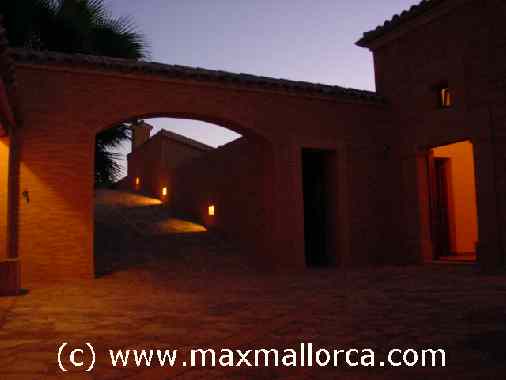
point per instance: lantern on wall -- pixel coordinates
(210, 210)
(445, 99)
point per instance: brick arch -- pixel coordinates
(188, 191)
(60, 243)
(65, 100)
(227, 124)
(258, 140)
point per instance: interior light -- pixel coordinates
(210, 210)
(446, 99)
(164, 191)
(137, 181)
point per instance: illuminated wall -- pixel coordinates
(152, 163)
(463, 212)
(230, 189)
(4, 160)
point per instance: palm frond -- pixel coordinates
(119, 38)
(113, 137)
(78, 26)
(107, 167)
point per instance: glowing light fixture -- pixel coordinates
(164, 191)
(210, 210)
(446, 98)
(137, 181)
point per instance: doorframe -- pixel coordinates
(427, 251)
(435, 204)
(334, 215)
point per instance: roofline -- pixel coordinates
(397, 22)
(180, 139)
(25, 56)
(141, 123)
(175, 137)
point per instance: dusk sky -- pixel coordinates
(311, 40)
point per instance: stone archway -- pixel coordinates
(193, 181)
(77, 96)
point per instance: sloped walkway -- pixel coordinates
(133, 230)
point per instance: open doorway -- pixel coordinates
(318, 178)
(184, 205)
(4, 176)
(452, 189)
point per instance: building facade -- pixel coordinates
(153, 159)
(340, 177)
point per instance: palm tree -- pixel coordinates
(107, 166)
(78, 26)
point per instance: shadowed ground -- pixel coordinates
(199, 292)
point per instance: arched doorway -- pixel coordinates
(79, 96)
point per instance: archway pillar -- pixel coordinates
(416, 246)
(55, 201)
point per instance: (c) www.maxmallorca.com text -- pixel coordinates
(305, 355)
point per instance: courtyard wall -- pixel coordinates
(152, 162)
(235, 179)
(63, 116)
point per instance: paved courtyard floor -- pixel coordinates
(198, 293)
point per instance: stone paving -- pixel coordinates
(204, 296)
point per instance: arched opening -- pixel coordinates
(188, 191)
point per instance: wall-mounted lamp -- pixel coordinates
(137, 181)
(445, 99)
(164, 191)
(210, 210)
(26, 195)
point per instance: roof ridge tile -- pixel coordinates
(397, 20)
(29, 56)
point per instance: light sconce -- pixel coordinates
(137, 181)
(445, 97)
(164, 191)
(210, 210)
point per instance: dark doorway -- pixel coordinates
(318, 168)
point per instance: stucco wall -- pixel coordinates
(456, 46)
(237, 180)
(57, 141)
(382, 216)
(152, 162)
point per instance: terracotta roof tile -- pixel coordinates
(6, 63)
(194, 73)
(183, 140)
(416, 10)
